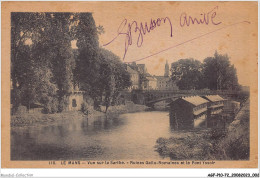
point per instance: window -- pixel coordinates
(74, 103)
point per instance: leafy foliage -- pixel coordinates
(45, 68)
(30, 73)
(187, 73)
(215, 73)
(219, 74)
(114, 76)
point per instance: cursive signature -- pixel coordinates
(205, 19)
(127, 29)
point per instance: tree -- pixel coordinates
(30, 75)
(88, 64)
(100, 72)
(41, 56)
(113, 76)
(20, 31)
(52, 50)
(44, 67)
(56, 39)
(187, 74)
(219, 74)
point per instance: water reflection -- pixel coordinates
(130, 136)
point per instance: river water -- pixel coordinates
(129, 136)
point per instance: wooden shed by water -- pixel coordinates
(188, 112)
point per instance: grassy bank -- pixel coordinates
(210, 144)
(235, 145)
(32, 119)
(121, 109)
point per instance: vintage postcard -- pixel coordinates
(129, 84)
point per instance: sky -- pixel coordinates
(231, 29)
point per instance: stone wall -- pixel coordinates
(75, 101)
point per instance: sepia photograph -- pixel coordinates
(112, 84)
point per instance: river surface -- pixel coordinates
(129, 136)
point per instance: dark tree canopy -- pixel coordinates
(88, 62)
(114, 76)
(215, 73)
(219, 74)
(187, 73)
(31, 73)
(44, 67)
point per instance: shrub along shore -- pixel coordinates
(34, 119)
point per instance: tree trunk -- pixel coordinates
(106, 108)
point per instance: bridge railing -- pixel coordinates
(154, 95)
(194, 91)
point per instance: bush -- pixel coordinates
(19, 110)
(186, 145)
(63, 104)
(85, 108)
(217, 133)
(51, 106)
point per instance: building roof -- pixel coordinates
(200, 111)
(162, 78)
(235, 102)
(151, 78)
(217, 106)
(214, 98)
(143, 65)
(132, 71)
(195, 100)
(142, 68)
(173, 99)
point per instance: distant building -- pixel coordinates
(141, 79)
(216, 104)
(138, 74)
(142, 68)
(165, 82)
(134, 77)
(231, 108)
(162, 82)
(215, 111)
(149, 83)
(188, 112)
(144, 81)
(76, 99)
(166, 70)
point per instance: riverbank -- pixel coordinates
(122, 109)
(33, 119)
(210, 144)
